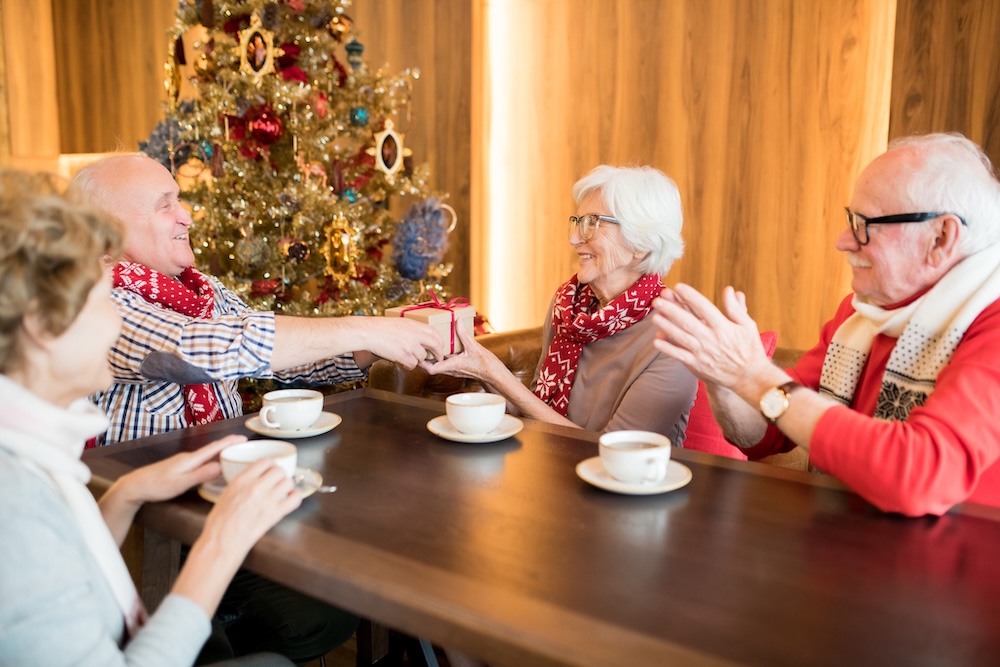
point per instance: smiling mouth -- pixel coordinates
(856, 262)
(181, 237)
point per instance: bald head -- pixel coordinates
(141, 193)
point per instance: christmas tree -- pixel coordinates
(292, 159)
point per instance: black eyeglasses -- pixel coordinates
(588, 224)
(859, 223)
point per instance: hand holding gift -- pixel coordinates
(446, 318)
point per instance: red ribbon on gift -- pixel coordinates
(450, 306)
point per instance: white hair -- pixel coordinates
(647, 204)
(953, 175)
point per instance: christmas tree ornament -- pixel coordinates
(253, 252)
(257, 50)
(265, 287)
(338, 74)
(264, 124)
(294, 249)
(339, 27)
(218, 163)
(312, 172)
(339, 250)
(354, 50)
(290, 202)
(421, 237)
(320, 104)
(359, 116)
(389, 151)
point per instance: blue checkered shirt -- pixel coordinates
(160, 350)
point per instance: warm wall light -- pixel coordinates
(498, 247)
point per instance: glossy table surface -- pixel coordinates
(501, 551)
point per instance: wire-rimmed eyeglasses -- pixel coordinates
(859, 223)
(587, 224)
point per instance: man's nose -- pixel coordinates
(846, 241)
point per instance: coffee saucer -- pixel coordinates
(307, 481)
(593, 472)
(509, 425)
(327, 422)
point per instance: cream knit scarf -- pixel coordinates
(929, 330)
(50, 440)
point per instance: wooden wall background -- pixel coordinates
(947, 72)
(763, 111)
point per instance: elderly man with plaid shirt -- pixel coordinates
(187, 340)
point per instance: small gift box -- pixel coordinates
(443, 316)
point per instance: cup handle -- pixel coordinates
(657, 471)
(263, 417)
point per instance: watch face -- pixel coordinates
(773, 403)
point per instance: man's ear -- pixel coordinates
(944, 243)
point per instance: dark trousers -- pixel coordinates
(258, 615)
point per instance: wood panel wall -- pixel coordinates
(29, 129)
(109, 65)
(947, 72)
(763, 111)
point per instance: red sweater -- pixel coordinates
(945, 453)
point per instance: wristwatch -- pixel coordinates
(774, 402)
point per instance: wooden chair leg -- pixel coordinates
(373, 643)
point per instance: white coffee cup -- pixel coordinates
(237, 458)
(475, 413)
(291, 409)
(635, 457)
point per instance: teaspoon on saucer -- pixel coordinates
(300, 480)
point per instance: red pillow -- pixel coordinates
(703, 432)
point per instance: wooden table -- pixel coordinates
(501, 551)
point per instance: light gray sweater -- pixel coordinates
(55, 607)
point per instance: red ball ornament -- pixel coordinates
(259, 288)
(264, 124)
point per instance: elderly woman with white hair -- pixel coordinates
(599, 369)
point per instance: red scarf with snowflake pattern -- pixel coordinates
(578, 319)
(189, 294)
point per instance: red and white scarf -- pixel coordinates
(578, 319)
(189, 294)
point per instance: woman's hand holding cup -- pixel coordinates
(251, 504)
